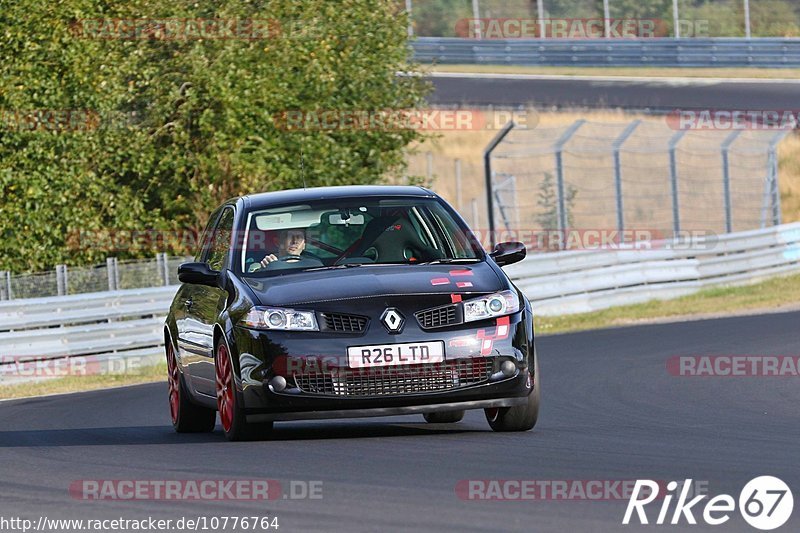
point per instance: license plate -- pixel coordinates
(408, 353)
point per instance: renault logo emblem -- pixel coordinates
(393, 320)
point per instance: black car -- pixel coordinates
(347, 302)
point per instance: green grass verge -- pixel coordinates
(148, 374)
(774, 294)
(788, 73)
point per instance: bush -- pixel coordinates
(161, 131)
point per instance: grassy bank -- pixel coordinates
(768, 296)
(85, 383)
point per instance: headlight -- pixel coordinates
(278, 318)
(497, 304)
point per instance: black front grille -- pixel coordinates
(344, 323)
(387, 381)
(438, 317)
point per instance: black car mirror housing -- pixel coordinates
(198, 274)
(508, 253)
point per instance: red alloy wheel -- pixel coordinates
(173, 380)
(225, 388)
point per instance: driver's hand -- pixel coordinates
(268, 259)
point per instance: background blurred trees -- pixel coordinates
(176, 126)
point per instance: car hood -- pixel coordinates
(375, 280)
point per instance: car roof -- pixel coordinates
(267, 199)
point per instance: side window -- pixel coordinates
(220, 241)
(205, 238)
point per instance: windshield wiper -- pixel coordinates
(345, 265)
(448, 260)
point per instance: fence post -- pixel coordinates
(3, 288)
(165, 265)
(110, 273)
(475, 221)
(562, 201)
(7, 281)
(618, 170)
(160, 266)
(61, 279)
(673, 175)
(776, 193)
(540, 19)
(773, 174)
(726, 179)
(116, 274)
(676, 20)
(487, 168)
(747, 32)
(476, 14)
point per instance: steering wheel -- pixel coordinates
(290, 258)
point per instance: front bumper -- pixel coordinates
(339, 391)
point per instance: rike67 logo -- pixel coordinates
(765, 503)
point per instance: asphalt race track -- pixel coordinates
(656, 95)
(611, 411)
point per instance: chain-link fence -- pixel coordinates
(639, 175)
(684, 18)
(160, 271)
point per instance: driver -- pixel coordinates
(291, 243)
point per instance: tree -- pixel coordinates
(175, 126)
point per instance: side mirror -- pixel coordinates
(198, 274)
(508, 253)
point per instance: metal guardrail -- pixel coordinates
(104, 332)
(581, 281)
(119, 325)
(661, 52)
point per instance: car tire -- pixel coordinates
(519, 417)
(444, 417)
(229, 403)
(186, 416)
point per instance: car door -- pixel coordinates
(203, 305)
(188, 351)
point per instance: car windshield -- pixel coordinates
(350, 232)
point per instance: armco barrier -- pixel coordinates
(108, 330)
(129, 323)
(661, 52)
(581, 281)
